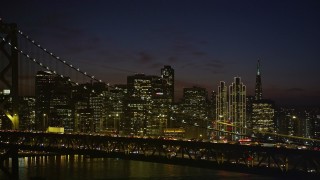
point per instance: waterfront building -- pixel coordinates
(160, 110)
(6, 102)
(115, 107)
(44, 83)
(138, 104)
(27, 113)
(52, 101)
(194, 108)
(89, 101)
(60, 113)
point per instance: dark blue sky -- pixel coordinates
(204, 41)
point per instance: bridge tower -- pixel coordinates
(10, 34)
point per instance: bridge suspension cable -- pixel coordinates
(92, 77)
(41, 64)
(64, 62)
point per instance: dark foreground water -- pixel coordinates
(79, 167)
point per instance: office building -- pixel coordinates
(89, 101)
(44, 83)
(60, 114)
(138, 104)
(167, 74)
(115, 107)
(160, 110)
(195, 112)
(262, 117)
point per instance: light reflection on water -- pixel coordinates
(80, 167)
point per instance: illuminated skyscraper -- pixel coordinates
(222, 102)
(237, 107)
(167, 74)
(194, 109)
(60, 104)
(138, 104)
(258, 89)
(148, 102)
(115, 108)
(44, 83)
(97, 103)
(316, 127)
(221, 108)
(161, 104)
(262, 118)
(90, 107)
(27, 113)
(263, 115)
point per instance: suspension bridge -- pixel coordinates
(25, 57)
(21, 57)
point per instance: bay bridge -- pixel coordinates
(253, 159)
(23, 53)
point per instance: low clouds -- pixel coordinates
(172, 59)
(144, 57)
(294, 90)
(148, 60)
(199, 53)
(213, 66)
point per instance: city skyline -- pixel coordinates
(205, 42)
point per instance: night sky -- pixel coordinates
(204, 41)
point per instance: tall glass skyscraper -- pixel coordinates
(237, 107)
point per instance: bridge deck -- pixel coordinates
(280, 161)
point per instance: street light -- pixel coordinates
(76, 123)
(44, 121)
(114, 123)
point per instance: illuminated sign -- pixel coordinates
(6, 91)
